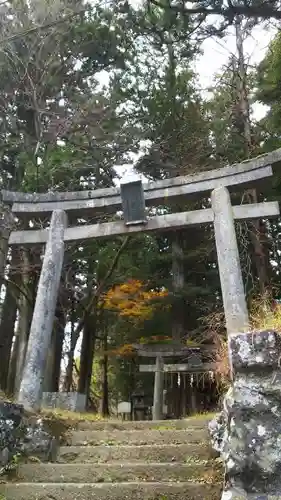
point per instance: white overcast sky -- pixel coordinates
(216, 53)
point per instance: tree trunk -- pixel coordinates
(49, 367)
(8, 319)
(242, 88)
(67, 384)
(178, 286)
(87, 355)
(178, 306)
(5, 229)
(58, 347)
(261, 254)
(53, 365)
(31, 265)
(69, 368)
(24, 322)
(35, 268)
(261, 257)
(13, 366)
(105, 396)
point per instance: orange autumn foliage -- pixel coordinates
(133, 300)
(126, 350)
(156, 339)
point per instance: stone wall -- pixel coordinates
(22, 435)
(247, 433)
(71, 401)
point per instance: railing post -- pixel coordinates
(30, 393)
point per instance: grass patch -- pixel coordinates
(264, 314)
(202, 416)
(164, 427)
(61, 423)
(71, 415)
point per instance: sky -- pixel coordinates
(215, 55)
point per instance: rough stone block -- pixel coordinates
(11, 411)
(248, 431)
(255, 350)
(72, 401)
(11, 431)
(20, 436)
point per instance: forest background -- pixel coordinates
(90, 91)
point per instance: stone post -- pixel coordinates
(234, 301)
(157, 412)
(30, 393)
(248, 431)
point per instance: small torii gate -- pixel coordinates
(161, 353)
(133, 197)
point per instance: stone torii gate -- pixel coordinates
(193, 364)
(134, 197)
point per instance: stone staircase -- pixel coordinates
(130, 460)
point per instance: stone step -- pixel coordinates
(119, 472)
(150, 453)
(171, 436)
(199, 421)
(110, 491)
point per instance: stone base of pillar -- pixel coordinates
(247, 433)
(72, 401)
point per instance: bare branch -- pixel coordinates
(45, 26)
